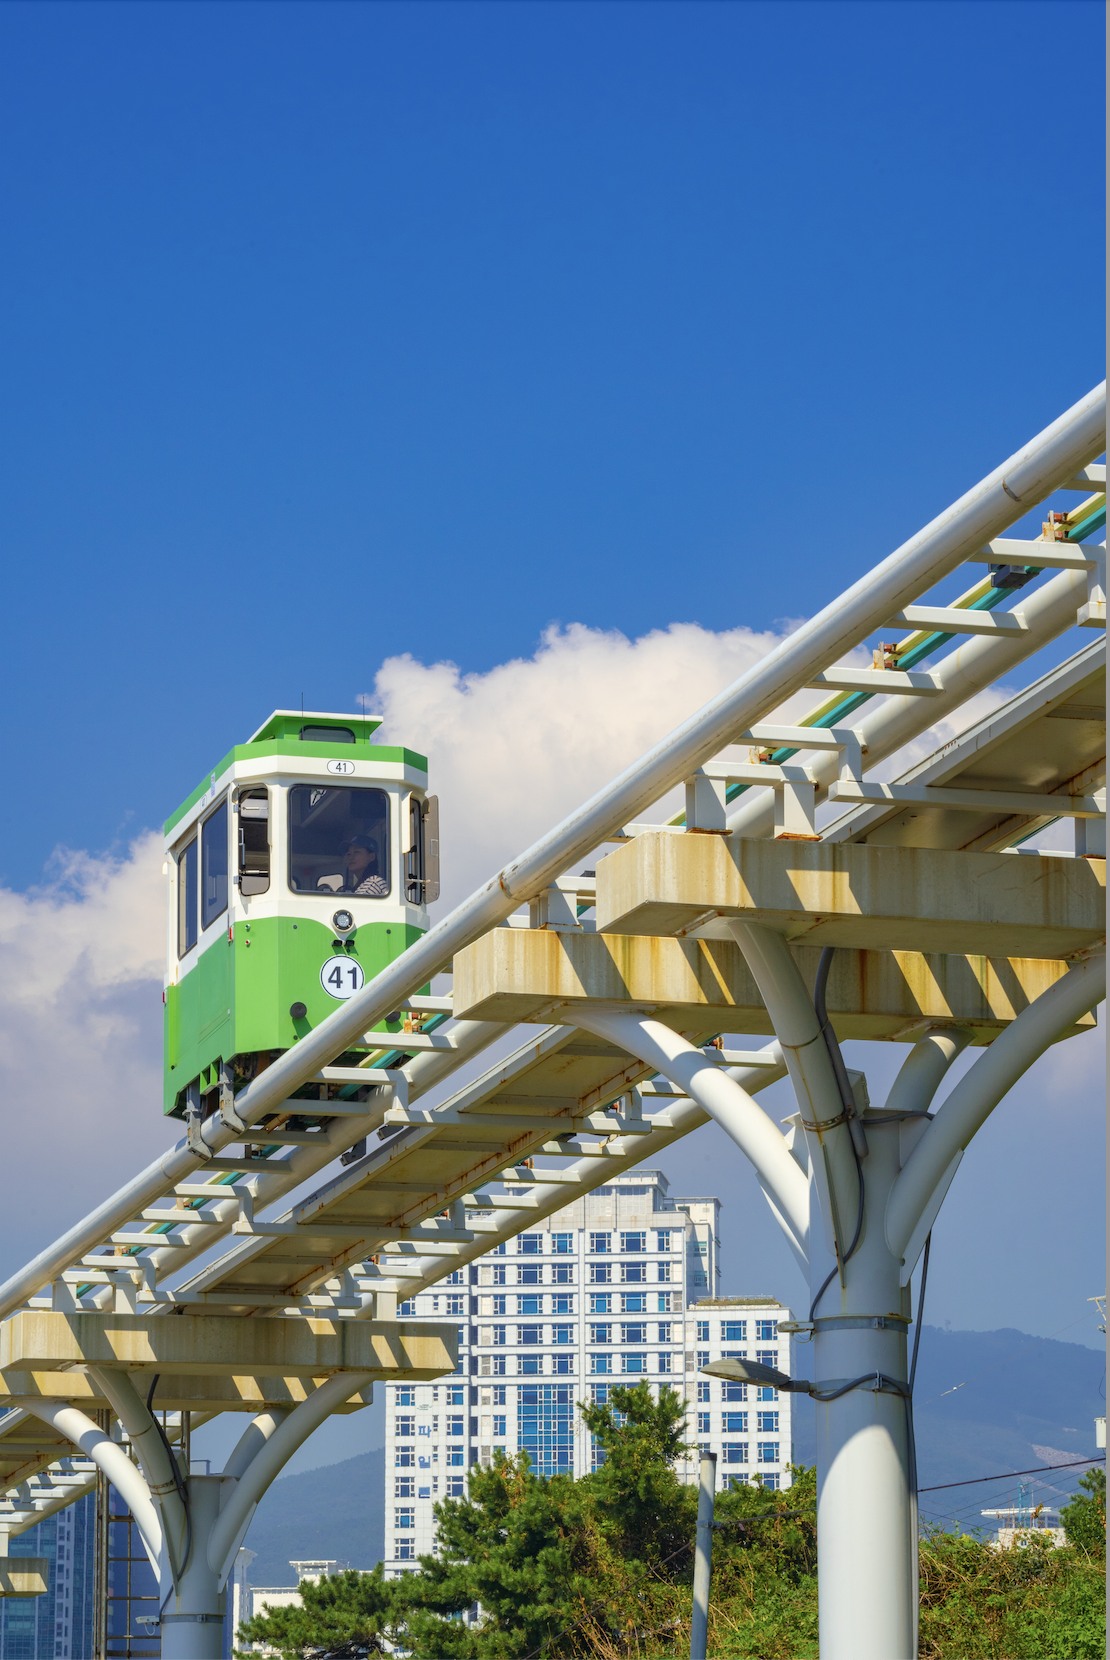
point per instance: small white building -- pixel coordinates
(619, 1287)
(1016, 1525)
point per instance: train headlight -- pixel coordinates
(343, 922)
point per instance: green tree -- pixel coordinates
(344, 1617)
(1084, 1518)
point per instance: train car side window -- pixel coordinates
(339, 841)
(254, 841)
(422, 857)
(213, 850)
(187, 898)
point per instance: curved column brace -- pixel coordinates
(253, 1439)
(156, 1462)
(920, 1075)
(109, 1457)
(811, 1071)
(267, 1462)
(979, 1091)
(722, 1095)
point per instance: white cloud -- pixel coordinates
(80, 1037)
(513, 749)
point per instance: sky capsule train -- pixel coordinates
(297, 870)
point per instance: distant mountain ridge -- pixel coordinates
(985, 1402)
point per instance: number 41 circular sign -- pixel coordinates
(341, 977)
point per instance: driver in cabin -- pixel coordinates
(361, 873)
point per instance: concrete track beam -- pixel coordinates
(188, 1393)
(699, 985)
(24, 1576)
(190, 1345)
(874, 898)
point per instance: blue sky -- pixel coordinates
(334, 332)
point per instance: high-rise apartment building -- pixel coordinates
(617, 1288)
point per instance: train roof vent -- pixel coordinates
(311, 727)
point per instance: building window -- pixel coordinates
(703, 1389)
(404, 1458)
(500, 1303)
(703, 1423)
(663, 1239)
(664, 1272)
(405, 1395)
(497, 1336)
(545, 1419)
(531, 1365)
(599, 1244)
(499, 1394)
(635, 1242)
(701, 1331)
(634, 1333)
(406, 1551)
(601, 1363)
(529, 1273)
(735, 1423)
(408, 1306)
(455, 1424)
(456, 1305)
(633, 1362)
(562, 1244)
(529, 1244)
(455, 1277)
(404, 1487)
(454, 1395)
(562, 1304)
(734, 1392)
(664, 1331)
(734, 1331)
(601, 1334)
(600, 1302)
(405, 1516)
(735, 1452)
(767, 1357)
(634, 1273)
(455, 1486)
(770, 1479)
(665, 1361)
(766, 1331)
(663, 1302)
(456, 1458)
(767, 1423)
(634, 1302)
(497, 1366)
(500, 1424)
(600, 1273)
(529, 1335)
(599, 1392)
(497, 1250)
(768, 1452)
(404, 1427)
(530, 1305)
(562, 1273)
(562, 1365)
(561, 1334)
(498, 1274)
(766, 1392)
(701, 1358)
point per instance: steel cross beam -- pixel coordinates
(464, 1152)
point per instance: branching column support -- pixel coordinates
(192, 1525)
(879, 1177)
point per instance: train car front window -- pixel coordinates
(213, 862)
(187, 898)
(339, 841)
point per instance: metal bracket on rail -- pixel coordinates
(194, 1125)
(227, 1101)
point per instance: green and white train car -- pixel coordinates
(298, 869)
